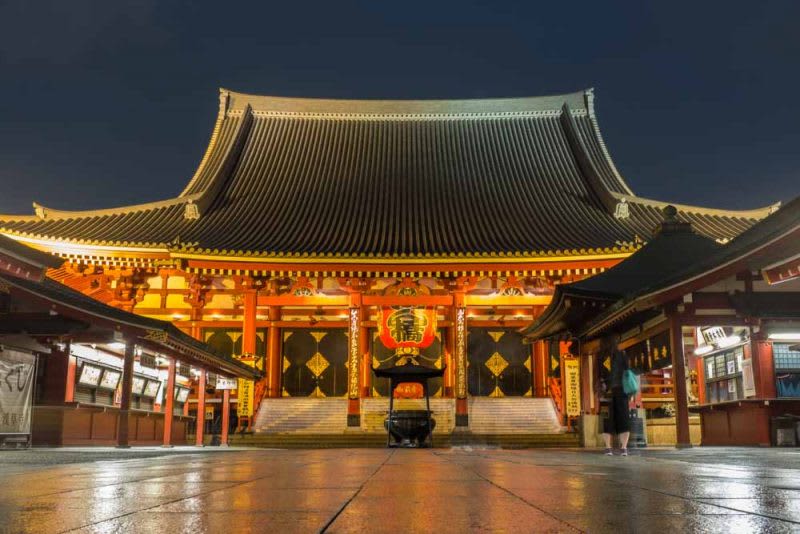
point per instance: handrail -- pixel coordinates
(558, 398)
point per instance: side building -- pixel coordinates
(306, 219)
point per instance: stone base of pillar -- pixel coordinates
(354, 419)
(462, 412)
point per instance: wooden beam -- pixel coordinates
(395, 300)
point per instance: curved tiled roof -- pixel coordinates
(399, 179)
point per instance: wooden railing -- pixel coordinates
(657, 388)
(558, 397)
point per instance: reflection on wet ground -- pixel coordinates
(458, 490)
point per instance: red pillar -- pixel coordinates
(274, 354)
(125, 402)
(249, 323)
(540, 369)
(450, 373)
(763, 367)
(226, 417)
(701, 380)
(201, 408)
(168, 407)
(72, 364)
(679, 372)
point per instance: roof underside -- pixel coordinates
(392, 179)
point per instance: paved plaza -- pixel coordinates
(377, 490)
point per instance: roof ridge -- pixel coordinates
(237, 101)
(757, 213)
(43, 213)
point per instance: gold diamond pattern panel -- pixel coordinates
(497, 335)
(317, 364)
(496, 364)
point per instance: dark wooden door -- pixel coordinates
(499, 364)
(315, 362)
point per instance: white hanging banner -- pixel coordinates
(17, 371)
(748, 381)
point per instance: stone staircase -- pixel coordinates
(519, 422)
(374, 411)
(306, 415)
(513, 415)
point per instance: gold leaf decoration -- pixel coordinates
(496, 364)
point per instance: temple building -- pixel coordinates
(712, 330)
(309, 222)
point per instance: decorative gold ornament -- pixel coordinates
(496, 364)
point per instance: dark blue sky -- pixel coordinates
(105, 103)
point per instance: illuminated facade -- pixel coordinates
(308, 222)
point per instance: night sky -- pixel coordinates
(106, 103)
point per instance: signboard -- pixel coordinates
(147, 360)
(225, 383)
(17, 370)
(572, 386)
(246, 393)
(209, 413)
(748, 382)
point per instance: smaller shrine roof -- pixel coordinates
(676, 260)
(152, 330)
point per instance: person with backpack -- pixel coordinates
(616, 386)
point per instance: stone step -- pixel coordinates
(356, 439)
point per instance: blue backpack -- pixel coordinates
(630, 382)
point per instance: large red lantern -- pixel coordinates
(406, 330)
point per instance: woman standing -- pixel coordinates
(618, 421)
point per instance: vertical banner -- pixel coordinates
(461, 353)
(748, 381)
(17, 370)
(245, 395)
(572, 386)
(355, 353)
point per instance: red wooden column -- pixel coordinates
(366, 359)
(274, 353)
(226, 417)
(540, 369)
(679, 372)
(763, 366)
(249, 322)
(125, 402)
(201, 408)
(72, 364)
(354, 359)
(459, 333)
(701, 380)
(168, 407)
(450, 373)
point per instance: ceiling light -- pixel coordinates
(785, 336)
(729, 341)
(703, 349)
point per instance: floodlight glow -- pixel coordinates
(703, 349)
(116, 346)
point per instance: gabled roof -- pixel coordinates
(308, 178)
(677, 261)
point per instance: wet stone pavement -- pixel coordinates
(442, 491)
